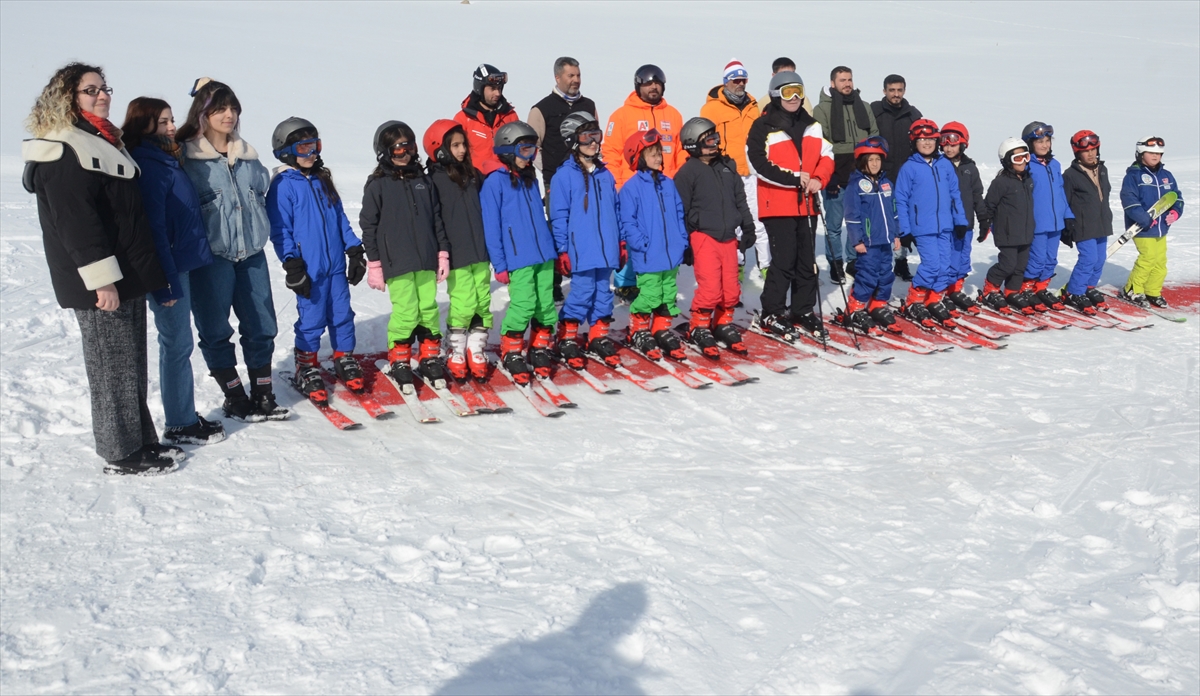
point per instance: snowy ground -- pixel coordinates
(1008, 521)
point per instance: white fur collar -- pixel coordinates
(201, 149)
(94, 153)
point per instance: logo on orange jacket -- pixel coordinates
(644, 125)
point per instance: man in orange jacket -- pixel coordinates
(483, 112)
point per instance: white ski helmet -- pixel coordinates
(1151, 144)
(1008, 146)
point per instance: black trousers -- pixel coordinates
(793, 265)
(1009, 269)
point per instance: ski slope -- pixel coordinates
(1015, 521)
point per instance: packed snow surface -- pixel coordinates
(1016, 521)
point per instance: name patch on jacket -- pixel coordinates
(611, 125)
(1147, 179)
(665, 125)
(864, 185)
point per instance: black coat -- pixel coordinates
(893, 123)
(90, 218)
(714, 198)
(462, 217)
(1093, 215)
(401, 222)
(970, 186)
(554, 148)
(1008, 208)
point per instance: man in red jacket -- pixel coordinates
(483, 112)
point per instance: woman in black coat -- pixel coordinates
(101, 255)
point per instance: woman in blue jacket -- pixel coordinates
(873, 231)
(173, 210)
(1145, 182)
(320, 253)
(1050, 213)
(587, 238)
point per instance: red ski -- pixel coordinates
(339, 420)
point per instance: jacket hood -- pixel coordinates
(201, 149)
(717, 94)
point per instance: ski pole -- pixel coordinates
(812, 230)
(842, 286)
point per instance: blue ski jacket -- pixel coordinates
(870, 211)
(305, 224)
(927, 196)
(1140, 190)
(584, 217)
(1050, 206)
(514, 224)
(652, 223)
(173, 209)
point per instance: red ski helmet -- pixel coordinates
(637, 142)
(1085, 140)
(923, 128)
(435, 136)
(954, 127)
(874, 145)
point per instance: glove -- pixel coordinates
(960, 231)
(906, 241)
(502, 276)
(688, 259)
(443, 265)
(624, 255)
(1172, 216)
(297, 276)
(563, 264)
(375, 276)
(985, 228)
(356, 264)
(747, 240)
(1067, 235)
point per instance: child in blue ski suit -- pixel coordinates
(1050, 213)
(587, 239)
(1145, 182)
(873, 230)
(320, 253)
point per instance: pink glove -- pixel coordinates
(443, 265)
(375, 276)
(502, 276)
(1172, 216)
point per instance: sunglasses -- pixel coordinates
(952, 139)
(402, 148)
(94, 91)
(1019, 157)
(1087, 142)
(1152, 142)
(790, 92)
(738, 81)
(591, 136)
(1041, 132)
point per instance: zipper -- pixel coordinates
(532, 225)
(599, 233)
(324, 227)
(937, 192)
(513, 240)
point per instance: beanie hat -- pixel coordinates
(735, 71)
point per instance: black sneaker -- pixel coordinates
(150, 460)
(837, 273)
(902, 272)
(811, 324)
(202, 432)
(1157, 301)
(779, 324)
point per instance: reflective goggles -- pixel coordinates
(651, 137)
(874, 142)
(1088, 142)
(590, 136)
(1154, 142)
(1019, 157)
(953, 138)
(712, 139)
(923, 132)
(1041, 132)
(526, 151)
(790, 92)
(303, 148)
(497, 80)
(403, 147)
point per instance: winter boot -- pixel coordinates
(1099, 299)
(938, 310)
(914, 307)
(993, 297)
(881, 314)
(600, 344)
(725, 332)
(400, 364)
(641, 338)
(263, 395)
(456, 353)
(1042, 290)
(1019, 301)
(901, 270)
(837, 273)
(568, 344)
(1079, 303)
(539, 355)
(812, 325)
(202, 432)
(961, 299)
(476, 355)
(150, 460)
(237, 405)
(308, 376)
(667, 339)
(1136, 298)
(700, 335)
(1029, 292)
(512, 347)
(1156, 301)
(349, 371)
(856, 318)
(429, 360)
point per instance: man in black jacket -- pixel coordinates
(894, 116)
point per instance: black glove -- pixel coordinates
(960, 231)
(907, 241)
(687, 256)
(356, 265)
(1067, 236)
(297, 276)
(985, 228)
(747, 240)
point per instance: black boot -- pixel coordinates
(237, 405)
(837, 272)
(263, 395)
(902, 271)
(150, 460)
(850, 268)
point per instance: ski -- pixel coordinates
(409, 393)
(339, 420)
(552, 392)
(870, 340)
(756, 336)
(588, 376)
(364, 399)
(487, 394)
(1160, 206)
(718, 372)
(535, 399)
(970, 324)
(652, 384)
(452, 401)
(755, 358)
(1149, 310)
(668, 366)
(943, 334)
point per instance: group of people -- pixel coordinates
(184, 216)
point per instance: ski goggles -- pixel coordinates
(790, 92)
(1040, 132)
(591, 136)
(874, 142)
(1019, 157)
(712, 139)
(923, 132)
(651, 137)
(303, 148)
(1154, 142)
(403, 147)
(952, 138)
(497, 80)
(526, 151)
(1087, 142)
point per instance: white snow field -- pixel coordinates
(1015, 521)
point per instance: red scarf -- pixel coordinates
(108, 131)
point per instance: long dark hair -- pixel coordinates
(461, 173)
(212, 97)
(318, 169)
(385, 167)
(141, 118)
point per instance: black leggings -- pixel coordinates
(793, 265)
(1009, 269)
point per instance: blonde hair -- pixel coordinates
(55, 108)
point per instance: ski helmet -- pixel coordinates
(436, 135)
(279, 139)
(383, 150)
(1084, 140)
(954, 133)
(921, 129)
(488, 75)
(649, 73)
(573, 123)
(695, 131)
(1008, 147)
(1151, 144)
(874, 145)
(637, 142)
(508, 139)
(1036, 130)
(781, 79)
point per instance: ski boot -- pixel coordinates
(1019, 301)
(855, 317)
(640, 337)
(308, 377)
(1029, 292)
(539, 356)
(202, 432)
(400, 365)
(915, 309)
(349, 371)
(1078, 302)
(699, 335)
(1052, 301)
(1099, 299)
(1136, 298)
(812, 325)
(476, 355)
(937, 310)
(568, 344)
(667, 339)
(961, 299)
(881, 314)
(779, 324)
(263, 396)
(725, 332)
(512, 358)
(901, 270)
(600, 344)
(993, 297)
(456, 353)
(429, 360)
(237, 405)
(1157, 301)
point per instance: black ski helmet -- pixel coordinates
(383, 151)
(649, 73)
(693, 131)
(282, 131)
(487, 75)
(572, 123)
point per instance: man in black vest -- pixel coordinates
(894, 116)
(545, 118)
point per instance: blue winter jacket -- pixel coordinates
(305, 224)
(174, 212)
(652, 223)
(1050, 206)
(870, 211)
(927, 196)
(584, 217)
(514, 225)
(233, 196)
(1140, 190)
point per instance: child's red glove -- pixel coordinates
(563, 264)
(624, 255)
(502, 276)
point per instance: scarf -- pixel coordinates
(837, 123)
(106, 128)
(167, 145)
(566, 97)
(736, 100)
